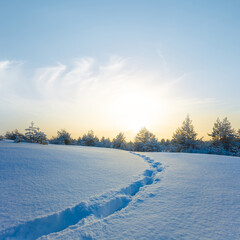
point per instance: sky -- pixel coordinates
(114, 66)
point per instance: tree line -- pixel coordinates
(224, 139)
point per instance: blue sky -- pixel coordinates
(192, 47)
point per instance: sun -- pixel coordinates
(134, 124)
(135, 111)
(133, 107)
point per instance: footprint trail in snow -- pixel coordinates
(98, 208)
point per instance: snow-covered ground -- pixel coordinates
(37, 180)
(71, 192)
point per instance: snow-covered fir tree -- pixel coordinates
(146, 141)
(129, 146)
(185, 136)
(105, 142)
(30, 133)
(165, 145)
(225, 140)
(119, 141)
(222, 134)
(63, 137)
(89, 139)
(238, 135)
(237, 143)
(41, 137)
(34, 135)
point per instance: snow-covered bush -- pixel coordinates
(165, 145)
(1, 137)
(129, 146)
(14, 134)
(41, 137)
(146, 141)
(119, 141)
(18, 139)
(224, 139)
(63, 137)
(89, 139)
(105, 142)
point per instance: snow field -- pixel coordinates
(96, 208)
(195, 197)
(37, 181)
(198, 197)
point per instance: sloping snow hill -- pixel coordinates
(38, 181)
(70, 192)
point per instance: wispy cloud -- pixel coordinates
(174, 81)
(4, 64)
(117, 91)
(85, 79)
(195, 101)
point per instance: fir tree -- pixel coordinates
(63, 137)
(105, 142)
(31, 133)
(185, 136)
(222, 134)
(146, 141)
(89, 139)
(238, 135)
(119, 141)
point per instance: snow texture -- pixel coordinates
(198, 197)
(38, 181)
(177, 196)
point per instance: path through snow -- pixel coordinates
(96, 208)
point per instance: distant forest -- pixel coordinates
(224, 139)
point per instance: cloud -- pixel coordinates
(163, 59)
(9, 74)
(115, 92)
(4, 64)
(47, 79)
(86, 80)
(174, 81)
(7, 64)
(194, 101)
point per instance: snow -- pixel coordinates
(198, 197)
(39, 180)
(71, 192)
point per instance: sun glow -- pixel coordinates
(136, 110)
